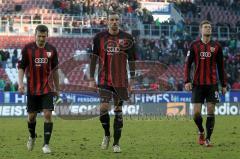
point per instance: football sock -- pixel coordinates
(198, 120)
(47, 132)
(31, 129)
(105, 121)
(117, 126)
(210, 125)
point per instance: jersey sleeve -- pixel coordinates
(96, 44)
(132, 51)
(94, 55)
(220, 67)
(54, 61)
(188, 64)
(132, 57)
(23, 60)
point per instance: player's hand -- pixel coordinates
(130, 91)
(21, 88)
(92, 83)
(56, 94)
(130, 86)
(188, 86)
(224, 90)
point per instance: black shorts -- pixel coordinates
(107, 93)
(200, 93)
(36, 103)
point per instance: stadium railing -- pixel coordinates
(65, 25)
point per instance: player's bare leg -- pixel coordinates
(105, 121)
(48, 126)
(198, 121)
(31, 128)
(210, 123)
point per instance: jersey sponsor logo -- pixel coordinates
(41, 60)
(113, 49)
(117, 46)
(204, 55)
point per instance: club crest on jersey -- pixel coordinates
(121, 41)
(49, 54)
(212, 49)
(125, 43)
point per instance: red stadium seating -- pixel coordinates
(29, 7)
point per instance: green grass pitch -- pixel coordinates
(165, 138)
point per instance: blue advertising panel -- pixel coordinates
(234, 96)
(157, 7)
(1, 96)
(90, 97)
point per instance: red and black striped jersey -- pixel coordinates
(208, 62)
(114, 52)
(38, 64)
